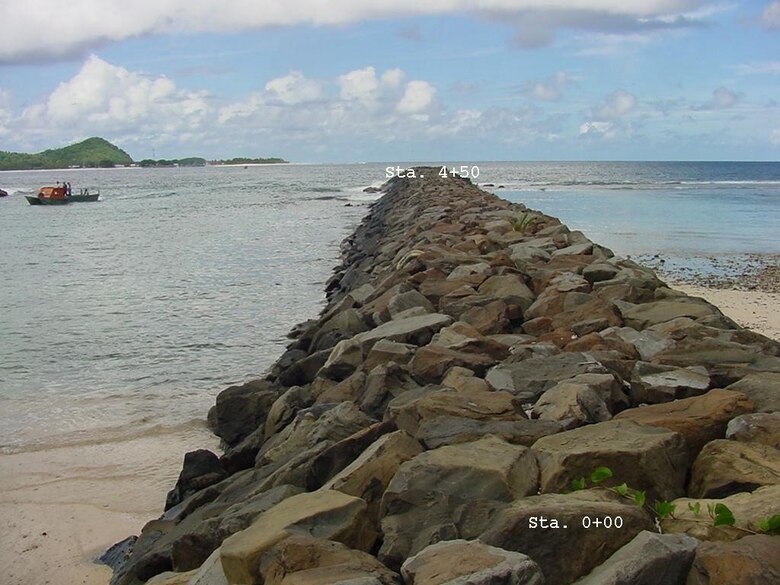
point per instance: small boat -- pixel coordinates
(3, 193)
(60, 196)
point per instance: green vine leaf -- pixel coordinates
(600, 474)
(664, 509)
(578, 484)
(695, 508)
(621, 490)
(640, 498)
(723, 516)
(770, 525)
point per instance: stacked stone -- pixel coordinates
(474, 359)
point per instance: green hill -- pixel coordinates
(92, 152)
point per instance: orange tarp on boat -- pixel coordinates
(52, 192)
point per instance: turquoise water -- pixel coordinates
(128, 315)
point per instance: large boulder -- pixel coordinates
(644, 457)
(451, 430)
(763, 389)
(646, 315)
(327, 514)
(368, 476)
(527, 379)
(301, 559)
(461, 562)
(749, 508)
(411, 409)
(654, 383)
(452, 492)
(201, 469)
(572, 402)
(700, 419)
(239, 410)
(431, 362)
(415, 330)
(753, 560)
(649, 559)
(726, 467)
(557, 530)
(311, 426)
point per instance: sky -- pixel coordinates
(395, 80)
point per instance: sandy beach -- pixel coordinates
(60, 508)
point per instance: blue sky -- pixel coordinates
(344, 80)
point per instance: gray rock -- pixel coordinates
(763, 389)
(451, 430)
(654, 384)
(649, 559)
(239, 410)
(527, 379)
(761, 427)
(414, 330)
(552, 530)
(574, 250)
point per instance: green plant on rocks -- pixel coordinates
(524, 222)
(719, 514)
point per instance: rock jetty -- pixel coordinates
(487, 398)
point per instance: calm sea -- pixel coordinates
(127, 316)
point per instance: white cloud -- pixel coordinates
(617, 104)
(758, 68)
(603, 128)
(771, 16)
(417, 98)
(550, 89)
(293, 89)
(52, 29)
(105, 98)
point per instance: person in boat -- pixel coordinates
(67, 189)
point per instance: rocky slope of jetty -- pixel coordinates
(477, 362)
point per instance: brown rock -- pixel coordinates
(753, 560)
(749, 508)
(323, 514)
(762, 388)
(431, 362)
(489, 319)
(452, 492)
(409, 411)
(369, 474)
(644, 457)
(726, 467)
(456, 562)
(301, 559)
(700, 419)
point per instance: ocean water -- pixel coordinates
(124, 318)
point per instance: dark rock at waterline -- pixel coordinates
(118, 555)
(241, 409)
(201, 469)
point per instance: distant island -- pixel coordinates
(92, 152)
(97, 152)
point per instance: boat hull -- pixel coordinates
(61, 201)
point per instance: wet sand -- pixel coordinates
(60, 508)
